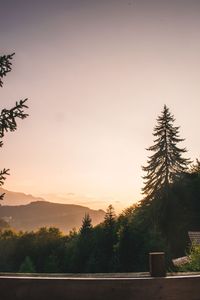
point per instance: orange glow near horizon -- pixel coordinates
(97, 74)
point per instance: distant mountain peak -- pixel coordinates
(40, 213)
(17, 198)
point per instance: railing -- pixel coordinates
(130, 286)
(93, 288)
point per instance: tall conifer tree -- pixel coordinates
(167, 161)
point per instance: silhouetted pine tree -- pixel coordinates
(167, 160)
(110, 218)
(110, 239)
(84, 246)
(86, 226)
(8, 116)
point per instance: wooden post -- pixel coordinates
(157, 264)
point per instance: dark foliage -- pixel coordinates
(8, 116)
(5, 66)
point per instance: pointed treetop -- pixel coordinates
(110, 216)
(86, 224)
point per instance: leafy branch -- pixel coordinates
(5, 66)
(8, 116)
(3, 174)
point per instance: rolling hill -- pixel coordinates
(36, 213)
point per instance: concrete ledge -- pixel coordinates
(53, 288)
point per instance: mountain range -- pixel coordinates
(26, 212)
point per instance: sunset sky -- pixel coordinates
(97, 74)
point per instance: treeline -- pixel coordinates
(116, 245)
(119, 244)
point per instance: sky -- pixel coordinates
(97, 74)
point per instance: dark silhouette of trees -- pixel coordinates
(51, 264)
(166, 169)
(110, 218)
(48, 246)
(8, 117)
(80, 247)
(27, 266)
(109, 238)
(86, 227)
(85, 244)
(125, 248)
(184, 207)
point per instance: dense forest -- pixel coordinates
(159, 222)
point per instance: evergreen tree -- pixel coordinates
(124, 247)
(86, 226)
(8, 116)
(109, 239)
(27, 266)
(167, 161)
(83, 246)
(110, 217)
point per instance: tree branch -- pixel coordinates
(8, 116)
(5, 66)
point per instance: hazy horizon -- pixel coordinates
(97, 74)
